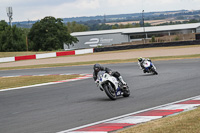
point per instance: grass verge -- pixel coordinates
(102, 62)
(11, 82)
(186, 122)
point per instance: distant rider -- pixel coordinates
(140, 63)
(98, 67)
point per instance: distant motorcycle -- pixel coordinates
(149, 67)
(112, 87)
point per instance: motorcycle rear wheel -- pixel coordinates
(126, 92)
(154, 71)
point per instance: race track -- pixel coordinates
(54, 108)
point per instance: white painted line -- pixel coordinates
(126, 115)
(40, 75)
(43, 75)
(179, 106)
(198, 98)
(50, 83)
(17, 88)
(87, 132)
(135, 119)
(8, 76)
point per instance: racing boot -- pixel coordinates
(124, 84)
(122, 81)
(100, 88)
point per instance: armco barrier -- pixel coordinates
(47, 55)
(167, 44)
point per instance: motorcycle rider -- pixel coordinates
(98, 67)
(140, 63)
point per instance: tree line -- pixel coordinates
(45, 35)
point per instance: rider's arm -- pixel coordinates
(139, 64)
(108, 70)
(94, 76)
(149, 59)
(105, 69)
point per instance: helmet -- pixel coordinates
(140, 59)
(97, 67)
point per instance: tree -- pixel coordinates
(75, 27)
(49, 34)
(115, 26)
(153, 39)
(3, 26)
(11, 38)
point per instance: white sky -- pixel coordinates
(24, 10)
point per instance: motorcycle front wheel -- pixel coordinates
(110, 91)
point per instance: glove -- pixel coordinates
(97, 82)
(110, 73)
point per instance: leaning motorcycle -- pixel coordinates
(112, 87)
(149, 67)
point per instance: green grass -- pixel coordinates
(11, 82)
(186, 122)
(102, 62)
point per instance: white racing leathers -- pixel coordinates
(112, 87)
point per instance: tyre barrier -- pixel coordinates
(150, 45)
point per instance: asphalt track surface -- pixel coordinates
(58, 107)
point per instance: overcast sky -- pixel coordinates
(24, 10)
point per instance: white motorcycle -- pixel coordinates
(112, 87)
(149, 67)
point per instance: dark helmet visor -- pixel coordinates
(96, 69)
